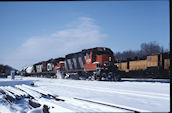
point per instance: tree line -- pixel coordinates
(149, 48)
(6, 69)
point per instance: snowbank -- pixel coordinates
(14, 82)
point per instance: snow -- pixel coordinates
(54, 106)
(29, 91)
(38, 90)
(18, 107)
(141, 96)
(17, 81)
(7, 92)
(29, 69)
(36, 110)
(16, 91)
(90, 106)
(4, 109)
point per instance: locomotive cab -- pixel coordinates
(100, 60)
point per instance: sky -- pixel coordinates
(31, 32)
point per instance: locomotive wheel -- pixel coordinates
(103, 77)
(116, 77)
(109, 76)
(93, 78)
(98, 78)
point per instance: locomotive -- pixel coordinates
(44, 68)
(92, 64)
(95, 64)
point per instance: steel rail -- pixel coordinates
(135, 111)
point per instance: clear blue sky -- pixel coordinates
(126, 24)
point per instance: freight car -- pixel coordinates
(95, 64)
(155, 66)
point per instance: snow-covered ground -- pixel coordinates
(140, 96)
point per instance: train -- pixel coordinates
(99, 64)
(150, 66)
(91, 64)
(44, 68)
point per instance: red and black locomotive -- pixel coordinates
(94, 64)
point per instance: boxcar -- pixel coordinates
(153, 64)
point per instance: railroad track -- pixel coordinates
(44, 98)
(111, 105)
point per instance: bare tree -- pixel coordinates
(145, 49)
(150, 48)
(126, 54)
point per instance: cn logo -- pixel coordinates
(88, 60)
